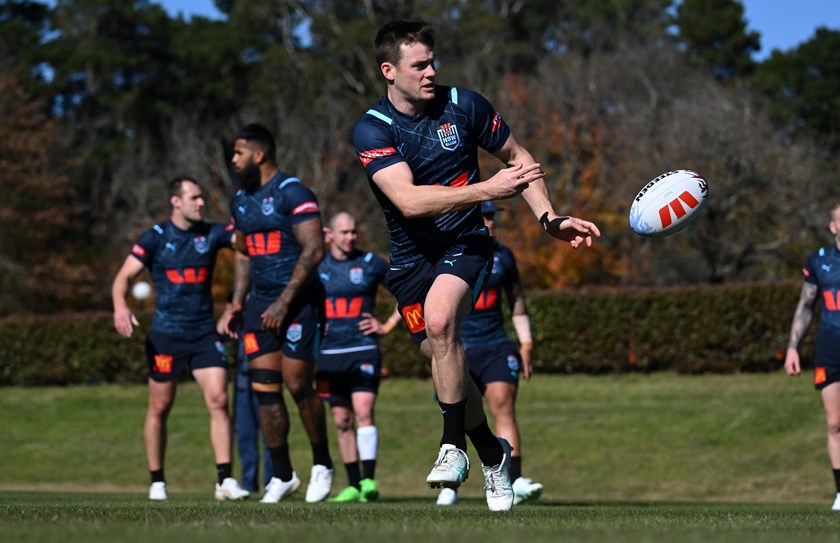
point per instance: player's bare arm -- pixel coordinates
(124, 319)
(310, 235)
(515, 295)
(801, 321)
(231, 318)
(414, 201)
(571, 229)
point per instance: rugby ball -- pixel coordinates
(668, 203)
(141, 290)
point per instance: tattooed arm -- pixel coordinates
(801, 321)
(310, 235)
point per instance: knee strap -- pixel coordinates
(266, 377)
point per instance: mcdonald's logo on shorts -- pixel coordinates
(819, 375)
(163, 363)
(250, 342)
(413, 315)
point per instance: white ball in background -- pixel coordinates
(141, 290)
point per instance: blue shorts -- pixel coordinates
(303, 326)
(826, 361)
(470, 258)
(339, 375)
(495, 363)
(169, 355)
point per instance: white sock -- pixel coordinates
(367, 441)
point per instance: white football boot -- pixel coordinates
(451, 468)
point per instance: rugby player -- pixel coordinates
(279, 244)
(419, 147)
(181, 254)
(822, 281)
(350, 366)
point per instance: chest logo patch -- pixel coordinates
(356, 275)
(267, 206)
(201, 245)
(448, 136)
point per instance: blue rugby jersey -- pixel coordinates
(181, 263)
(441, 148)
(351, 290)
(823, 270)
(266, 217)
(486, 324)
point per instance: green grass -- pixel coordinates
(641, 458)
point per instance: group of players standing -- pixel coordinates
(418, 146)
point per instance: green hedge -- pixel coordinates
(723, 329)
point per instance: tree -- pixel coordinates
(715, 34)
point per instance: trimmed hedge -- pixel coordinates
(723, 329)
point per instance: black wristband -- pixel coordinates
(546, 223)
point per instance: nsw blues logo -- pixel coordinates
(367, 368)
(513, 363)
(201, 245)
(448, 136)
(267, 206)
(295, 332)
(357, 275)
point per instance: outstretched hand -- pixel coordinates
(575, 231)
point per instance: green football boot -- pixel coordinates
(370, 490)
(349, 494)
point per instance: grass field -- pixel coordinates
(641, 458)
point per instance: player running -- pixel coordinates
(181, 254)
(350, 365)
(494, 360)
(419, 147)
(279, 244)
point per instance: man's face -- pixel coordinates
(343, 234)
(490, 223)
(414, 75)
(246, 170)
(190, 204)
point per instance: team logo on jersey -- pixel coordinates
(267, 206)
(448, 136)
(356, 275)
(201, 245)
(295, 332)
(366, 368)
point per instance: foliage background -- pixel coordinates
(104, 100)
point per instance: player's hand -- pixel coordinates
(274, 315)
(575, 231)
(369, 325)
(792, 366)
(527, 368)
(512, 180)
(125, 321)
(230, 321)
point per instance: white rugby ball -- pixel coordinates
(141, 290)
(668, 203)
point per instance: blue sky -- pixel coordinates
(783, 24)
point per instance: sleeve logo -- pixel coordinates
(306, 207)
(137, 250)
(366, 157)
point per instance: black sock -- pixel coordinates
(223, 471)
(486, 445)
(515, 468)
(157, 476)
(453, 424)
(321, 454)
(281, 462)
(836, 478)
(353, 475)
(368, 469)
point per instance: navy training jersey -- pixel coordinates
(823, 270)
(441, 148)
(351, 290)
(486, 324)
(181, 263)
(266, 218)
